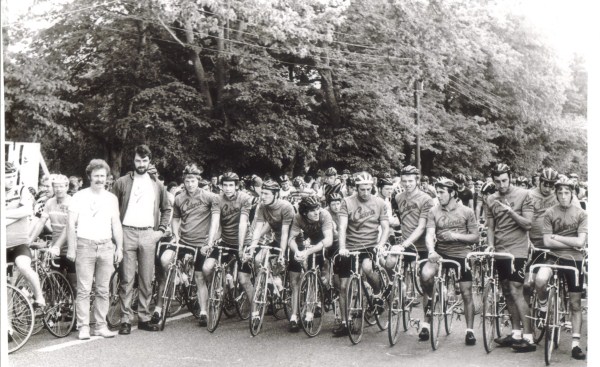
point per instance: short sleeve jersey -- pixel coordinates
(364, 218)
(454, 218)
(508, 235)
(410, 211)
(277, 215)
(18, 231)
(313, 230)
(567, 222)
(59, 216)
(541, 203)
(195, 211)
(231, 212)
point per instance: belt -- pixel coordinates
(137, 228)
(93, 242)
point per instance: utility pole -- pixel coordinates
(418, 90)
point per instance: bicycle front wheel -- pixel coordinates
(437, 314)
(488, 315)
(215, 300)
(355, 313)
(259, 302)
(20, 318)
(382, 315)
(113, 316)
(242, 302)
(552, 327)
(311, 303)
(59, 315)
(450, 301)
(396, 311)
(168, 295)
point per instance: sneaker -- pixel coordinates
(507, 341)
(470, 338)
(577, 353)
(203, 321)
(524, 346)
(155, 318)
(84, 333)
(341, 330)
(424, 334)
(103, 332)
(293, 326)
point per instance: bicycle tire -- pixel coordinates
(382, 318)
(168, 295)
(311, 304)
(538, 323)
(437, 314)
(215, 300)
(416, 278)
(552, 326)
(21, 318)
(450, 297)
(59, 314)
(260, 301)
(242, 302)
(409, 296)
(23, 285)
(191, 298)
(356, 307)
(396, 311)
(488, 315)
(113, 316)
(286, 298)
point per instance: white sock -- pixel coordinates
(294, 318)
(575, 342)
(471, 330)
(528, 337)
(425, 325)
(517, 334)
(158, 309)
(203, 313)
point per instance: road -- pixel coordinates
(184, 343)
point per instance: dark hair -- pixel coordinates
(143, 151)
(171, 185)
(96, 164)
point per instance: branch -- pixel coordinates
(170, 31)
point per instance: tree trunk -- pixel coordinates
(330, 99)
(198, 68)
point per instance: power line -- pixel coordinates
(470, 97)
(489, 100)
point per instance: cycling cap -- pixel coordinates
(283, 178)
(363, 178)
(271, 186)
(59, 179)
(330, 172)
(488, 188)
(298, 182)
(500, 169)
(192, 169)
(460, 178)
(308, 203)
(10, 167)
(230, 176)
(564, 181)
(446, 182)
(409, 170)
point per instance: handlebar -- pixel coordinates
(442, 261)
(493, 255)
(563, 267)
(401, 253)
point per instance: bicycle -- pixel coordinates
(178, 286)
(402, 297)
(21, 315)
(444, 301)
(558, 306)
(494, 313)
(217, 291)
(358, 297)
(312, 298)
(113, 316)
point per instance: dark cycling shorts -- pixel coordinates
(332, 250)
(465, 274)
(14, 252)
(504, 269)
(568, 275)
(64, 263)
(242, 267)
(344, 264)
(181, 254)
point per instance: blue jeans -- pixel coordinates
(94, 262)
(138, 254)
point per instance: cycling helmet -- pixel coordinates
(564, 181)
(330, 172)
(363, 178)
(334, 197)
(573, 175)
(522, 180)
(384, 182)
(425, 178)
(283, 178)
(10, 167)
(271, 186)
(409, 170)
(307, 204)
(447, 183)
(192, 169)
(346, 172)
(488, 188)
(500, 169)
(298, 182)
(230, 176)
(59, 179)
(331, 189)
(460, 178)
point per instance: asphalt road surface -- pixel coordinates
(184, 343)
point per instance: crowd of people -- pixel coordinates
(121, 222)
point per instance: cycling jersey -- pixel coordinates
(278, 214)
(568, 222)
(312, 230)
(541, 203)
(195, 212)
(231, 212)
(58, 215)
(410, 211)
(455, 217)
(17, 231)
(364, 218)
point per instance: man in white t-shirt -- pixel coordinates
(93, 225)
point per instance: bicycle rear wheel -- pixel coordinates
(396, 311)
(215, 300)
(113, 316)
(168, 295)
(552, 327)
(355, 313)
(488, 315)
(260, 301)
(382, 317)
(437, 314)
(451, 298)
(311, 303)
(286, 298)
(21, 318)
(59, 315)
(23, 285)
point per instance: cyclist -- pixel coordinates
(464, 194)
(487, 189)
(510, 213)
(535, 180)
(455, 228)
(331, 183)
(286, 190)
(276, 215)
(386, 189)
(57, 210)
(18, 207)
(565, 233)
(361, 216)
(522, 182)
(334, 206)
(196, 217)
(311, 233)
(301, 190)
(413, 209)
